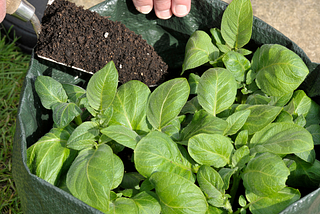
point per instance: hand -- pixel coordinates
(164, 8)
(2, 9)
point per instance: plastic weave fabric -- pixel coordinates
(169, 38)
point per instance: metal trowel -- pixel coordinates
(23, 10)
(60, 63)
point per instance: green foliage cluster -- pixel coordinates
(194, 143)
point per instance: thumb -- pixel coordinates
(2, 9)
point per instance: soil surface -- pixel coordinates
(84, 39)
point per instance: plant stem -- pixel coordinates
(234, 188)
(78, 120)
(243, 208)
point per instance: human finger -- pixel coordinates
(180, 8)
(2, 10)
(143, 6)
(162, 8)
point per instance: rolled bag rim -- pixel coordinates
(47, 198)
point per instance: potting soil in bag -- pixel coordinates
(169, 38)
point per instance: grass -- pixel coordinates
(13, 67)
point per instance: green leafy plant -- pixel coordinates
(230, 139)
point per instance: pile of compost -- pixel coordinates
(86, 40)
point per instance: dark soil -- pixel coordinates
(84, 39)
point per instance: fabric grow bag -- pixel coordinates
(169, 38)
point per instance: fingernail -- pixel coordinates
(144, 9)
(166, 14)
(181, 10)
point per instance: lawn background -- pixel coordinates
(13, 68)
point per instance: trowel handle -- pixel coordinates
(12, 6)
(20, 9)
(24, 11)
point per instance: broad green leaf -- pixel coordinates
(84, 103)
(258, 99)
(226, 174)
(242, 201)
(118, 171)
(308, 156)
(50, 91)
(217, 37)
(260, 116)
(284, 116)
(173, 129)
(229, 111)
(237, 64)
(187, 156)
(113, 196)
(104, 139)
(146, 203)
(241, 139)
(304, 174)
(193, 83)
(207, 178)
(131, 180)
(158, 152)
(203, 122)
(74, 92)
(313, 116)
(280, 101)
(46, 157)
(105, 116)
(274, 203)
(199, 50)
(236, 24)
(300, 121)
(236, 121)
(212, 185)
(216, 210)
(244, 52)
(241, 157)
(223, 48)
(217, 90)
(251, 76)
(251, 88)
(123, 206)
(265, 174)
(146, 185)
(92, 176)
(116, 147)
(128, 192)
(69, 129)
(130, 106)
(281, 138)
(102, 87)
(279, 70)
(166, 102)
(178, 195)
(64, 113)
(84, 136)
(301, 104)
(315, 132)
(210, 149)
(122, 135)
(191, 107)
